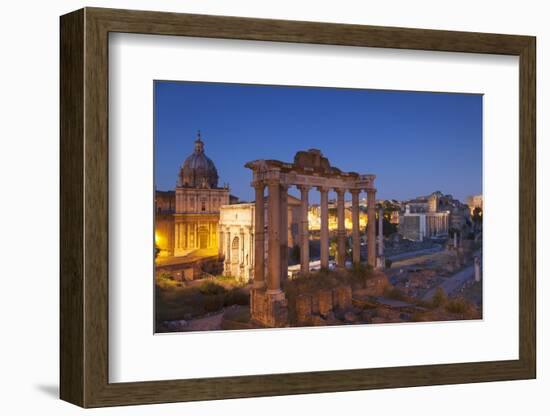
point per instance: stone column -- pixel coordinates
(355, 226)
(340, 209)
(228, 252)
(477, 268)
(380, 232)
(304, 230)
(241, 260)
(324, 227)
(283, 233)
(274, 243)
(250, 263)
(177, 233)
(259, 247)
(371, 227)
(381, 260)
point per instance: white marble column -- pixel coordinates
(324, 227)
(283, 233)
(304, 230)
(341, 234)
(356, 237)
(274, 243)
(371, 227)
(259, 248)
(241, 259)
(250, 258)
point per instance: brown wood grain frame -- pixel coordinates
(84, 216)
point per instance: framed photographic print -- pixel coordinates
(255, 207)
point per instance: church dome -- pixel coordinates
(198, 171)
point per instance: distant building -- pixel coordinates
(475, 201)
(424, 218)
(433, 216)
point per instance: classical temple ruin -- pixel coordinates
(310, 170)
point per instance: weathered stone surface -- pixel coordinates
(376, 284)
(268, 309)
(325, 302)
(341, 297)
(303, 309)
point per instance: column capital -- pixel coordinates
(284, 186)
(371, 190)
(323, 189)
(258, 185)
(340, 192)
(304, 188)
(272, 181)
(355, 192)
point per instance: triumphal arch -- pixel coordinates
(309, 171)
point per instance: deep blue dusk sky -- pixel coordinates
(414, 142)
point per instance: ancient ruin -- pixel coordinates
(309, 170)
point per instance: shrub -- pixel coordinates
(419, 317)
(236, 297)
(213, 303)
(211, 288)
(166, 281)
(359, 274)
(458, 306)
(439, 298)
(391, 292)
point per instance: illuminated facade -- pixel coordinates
(189, 222)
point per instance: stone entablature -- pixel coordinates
(266, 170)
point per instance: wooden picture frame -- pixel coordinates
(84, 207)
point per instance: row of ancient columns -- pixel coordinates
(277, 212)
(438, 224)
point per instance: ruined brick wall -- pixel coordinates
(321, 304)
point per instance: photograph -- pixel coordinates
(296, 206)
